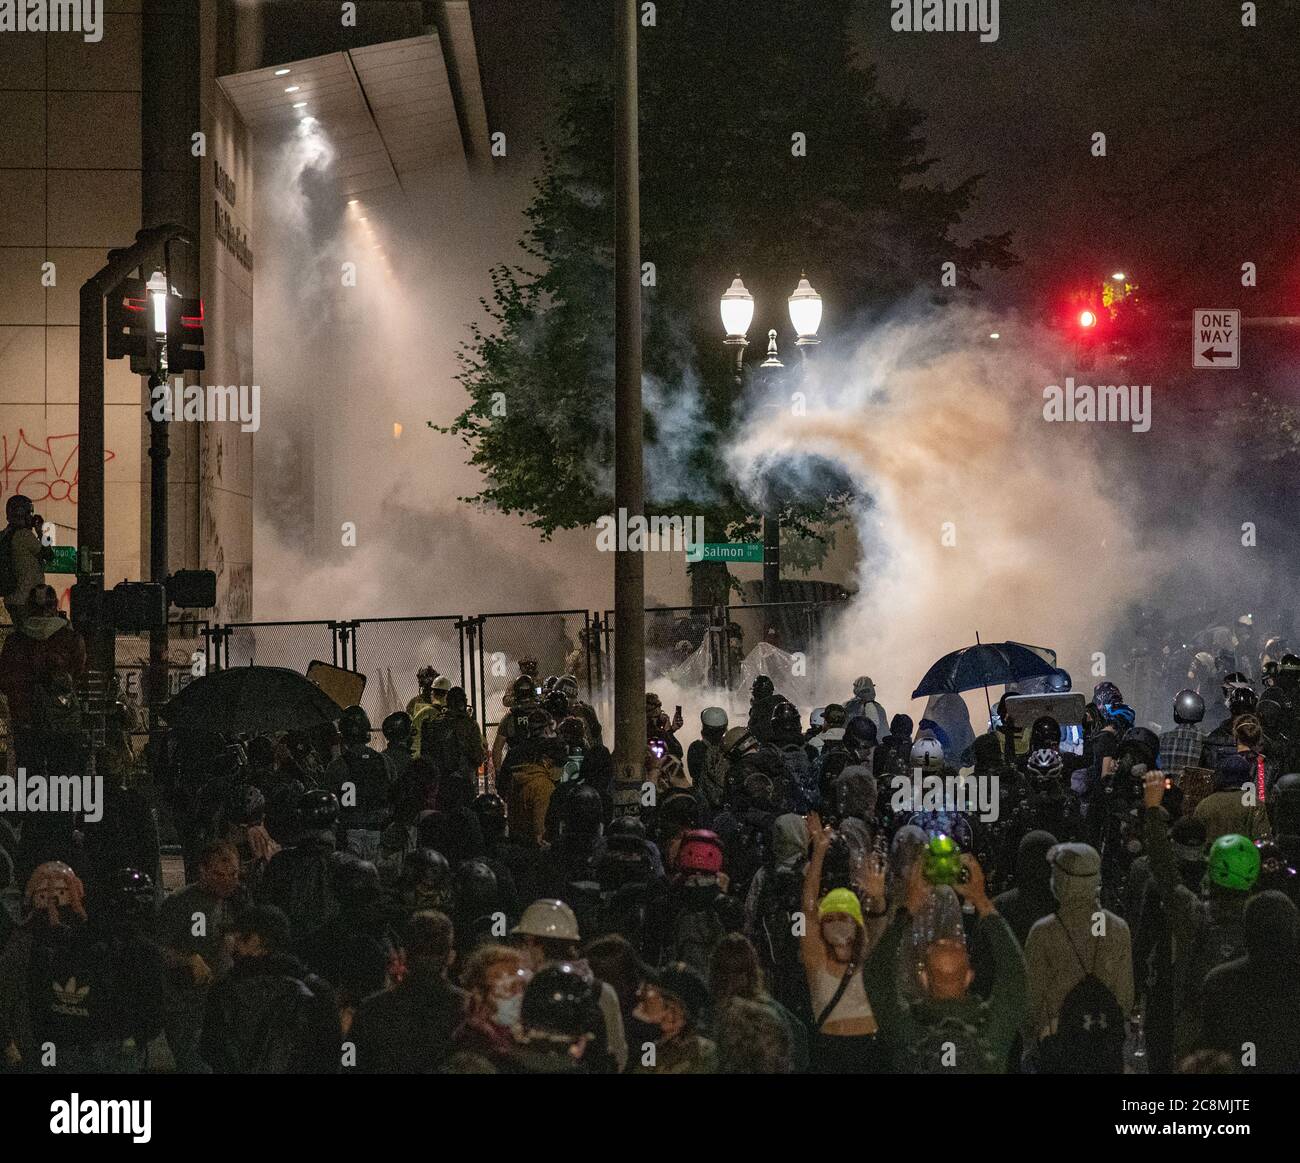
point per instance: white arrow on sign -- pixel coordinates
(1216, 337)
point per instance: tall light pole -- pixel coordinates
(805, 307)
(629, 483)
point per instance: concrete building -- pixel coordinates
(157, 122)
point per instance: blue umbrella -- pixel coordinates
(983, 665)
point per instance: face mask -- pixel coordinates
(508, 1011)
(839, 932)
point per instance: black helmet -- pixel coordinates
(1045, 734)
(489, 806)
(354, 725)
(397, 727)
(1142, 743)
(835, 715)
(556, 705)
(1058, 681)
(427, 866)
(523, 689)
(1286, 794)
(562, 1003)
(785, 719)
(1189, 707)
(1105, 694)
(762, 687)
(1242, 700)
(568, 685)
(132, 894)
(246, 805)
(476, 888)
(1272, 712)
(860, 731)
(354, 881)
(318, 810)
(549, 684)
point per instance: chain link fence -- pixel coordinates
(389, 652)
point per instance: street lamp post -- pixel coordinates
(805, 306)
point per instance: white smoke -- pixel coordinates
(977, 515)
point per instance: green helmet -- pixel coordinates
(942, 859)
(1234, 863)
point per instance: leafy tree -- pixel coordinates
(724, 89)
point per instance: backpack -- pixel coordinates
(298, 881)
(8, 572)
(801, 783)
(1090, 1032)
(696, 933)
(1217, 942)
(56, 710)
(951, 1045)
(441, 745)
(779, 899)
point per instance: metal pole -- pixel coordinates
(629, 484)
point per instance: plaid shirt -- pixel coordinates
(1181, 747)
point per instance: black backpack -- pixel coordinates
(779, 899)
(1090, 1032)
(8, 573)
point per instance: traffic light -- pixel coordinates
(138, 606)
(1087, 319)
(130, 325)
(184, 334)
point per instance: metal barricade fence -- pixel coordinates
(389, 652)
(187, 653)
(293, 645)
(560, 640)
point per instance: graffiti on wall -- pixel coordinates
(44, 472)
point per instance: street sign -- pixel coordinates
(733, 551)
(1216, 338)
(64, 560)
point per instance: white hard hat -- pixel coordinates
(551, 920)
(927, 752)
(442, 683)
(713, 717)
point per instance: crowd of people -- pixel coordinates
(771, 898)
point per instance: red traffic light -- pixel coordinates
(1087, 319)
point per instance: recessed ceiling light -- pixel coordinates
(293, 88)
(281, 72)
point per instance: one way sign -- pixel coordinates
(1216, 338)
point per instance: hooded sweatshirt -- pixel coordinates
(1079, 938)
(46, 645)
(1031, 899)
(1256, 998)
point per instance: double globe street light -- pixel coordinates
(805, 306)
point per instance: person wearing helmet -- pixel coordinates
(436, 708)
(547, 932)
(299, 877)
(452, 741)
(532, 784)
(424, 678)
(514, 741)
(364, 782)
(397, 730)
(1182, 745)
(707, 763)
(527, 686)
(22, 557)
(799, 790)
(562, 1023)
(670, 1004)
(1207, 928)
(1105, 694)
(410, 1029)
(763, 698)
(833, 951)
(864, 703)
